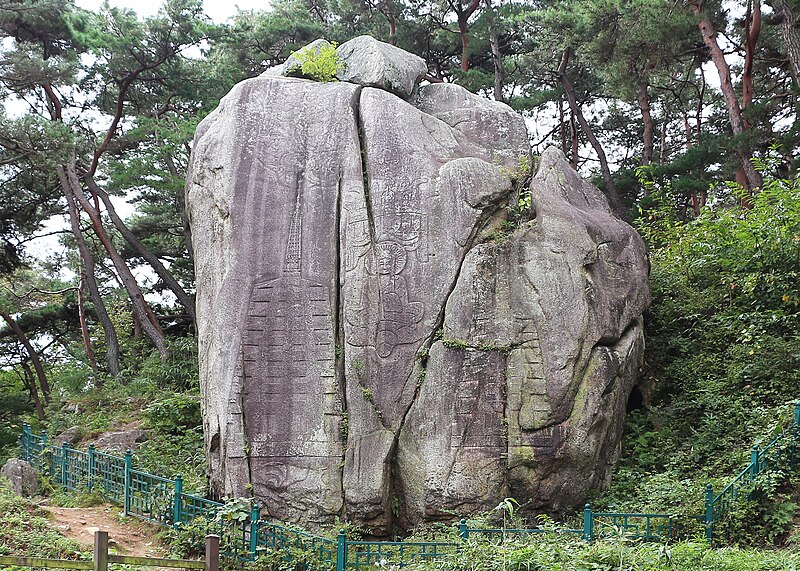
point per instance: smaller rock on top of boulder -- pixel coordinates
(369, 62)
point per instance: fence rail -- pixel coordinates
(163, 501)
(101, 558)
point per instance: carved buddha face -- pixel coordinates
(388, 259)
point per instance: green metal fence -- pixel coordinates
(780, 449)
(163, 501)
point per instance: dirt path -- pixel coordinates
(126, 537)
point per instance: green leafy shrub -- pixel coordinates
(174, 414)
(320, 62)
(188, 539)
(179, 371)
(169, 454)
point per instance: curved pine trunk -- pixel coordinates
(44, 385)
(183, 298)
(149, 323)
(735, 116)
(112, 341)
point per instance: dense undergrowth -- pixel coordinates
(556, 554)
(24, 528)
(159, 397)
(722, 361)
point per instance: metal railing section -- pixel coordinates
(164, 502)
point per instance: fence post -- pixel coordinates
(21, 443)
(27, 433)
(709, 513)
(177, 504)
(463, 530)
(754, 462)
(341, 551)
(127, 493)
(100, 553)
(64, 452)
(212, 553)
(90, 476)
(255, 522)
(44, 454)
(588, 523)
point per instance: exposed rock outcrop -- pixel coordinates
(21, 477)
(366, 350)
(71, 435)
(121, 440)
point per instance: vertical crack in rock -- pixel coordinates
(245, 438)
(365, 177)
(355, 104)
(338, 333)
(482, 222)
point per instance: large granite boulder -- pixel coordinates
(369, 348)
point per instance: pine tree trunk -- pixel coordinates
(33, 391)
(462, 17)
(497, 56)
(731, 102)
(647, 121)
(112, 342)
(752, 28)
(662, 157)
(783, 10)
(183, 298)
(687, 131)
(392, 28)
(87, 341)
(187, 229)
(463, 31)
(574, 143)
(149, 324)
(569, 90)
(562, 125)
(32, 354)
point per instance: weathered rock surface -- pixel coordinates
(541, 344)
(21, 477)
(366, 351)
(71, 435)
(371, 63)
(121, 440)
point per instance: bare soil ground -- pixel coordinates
(127, 536)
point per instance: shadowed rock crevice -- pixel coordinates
(362, 145)
(341, 380)
(376, 343)
(245, 443)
